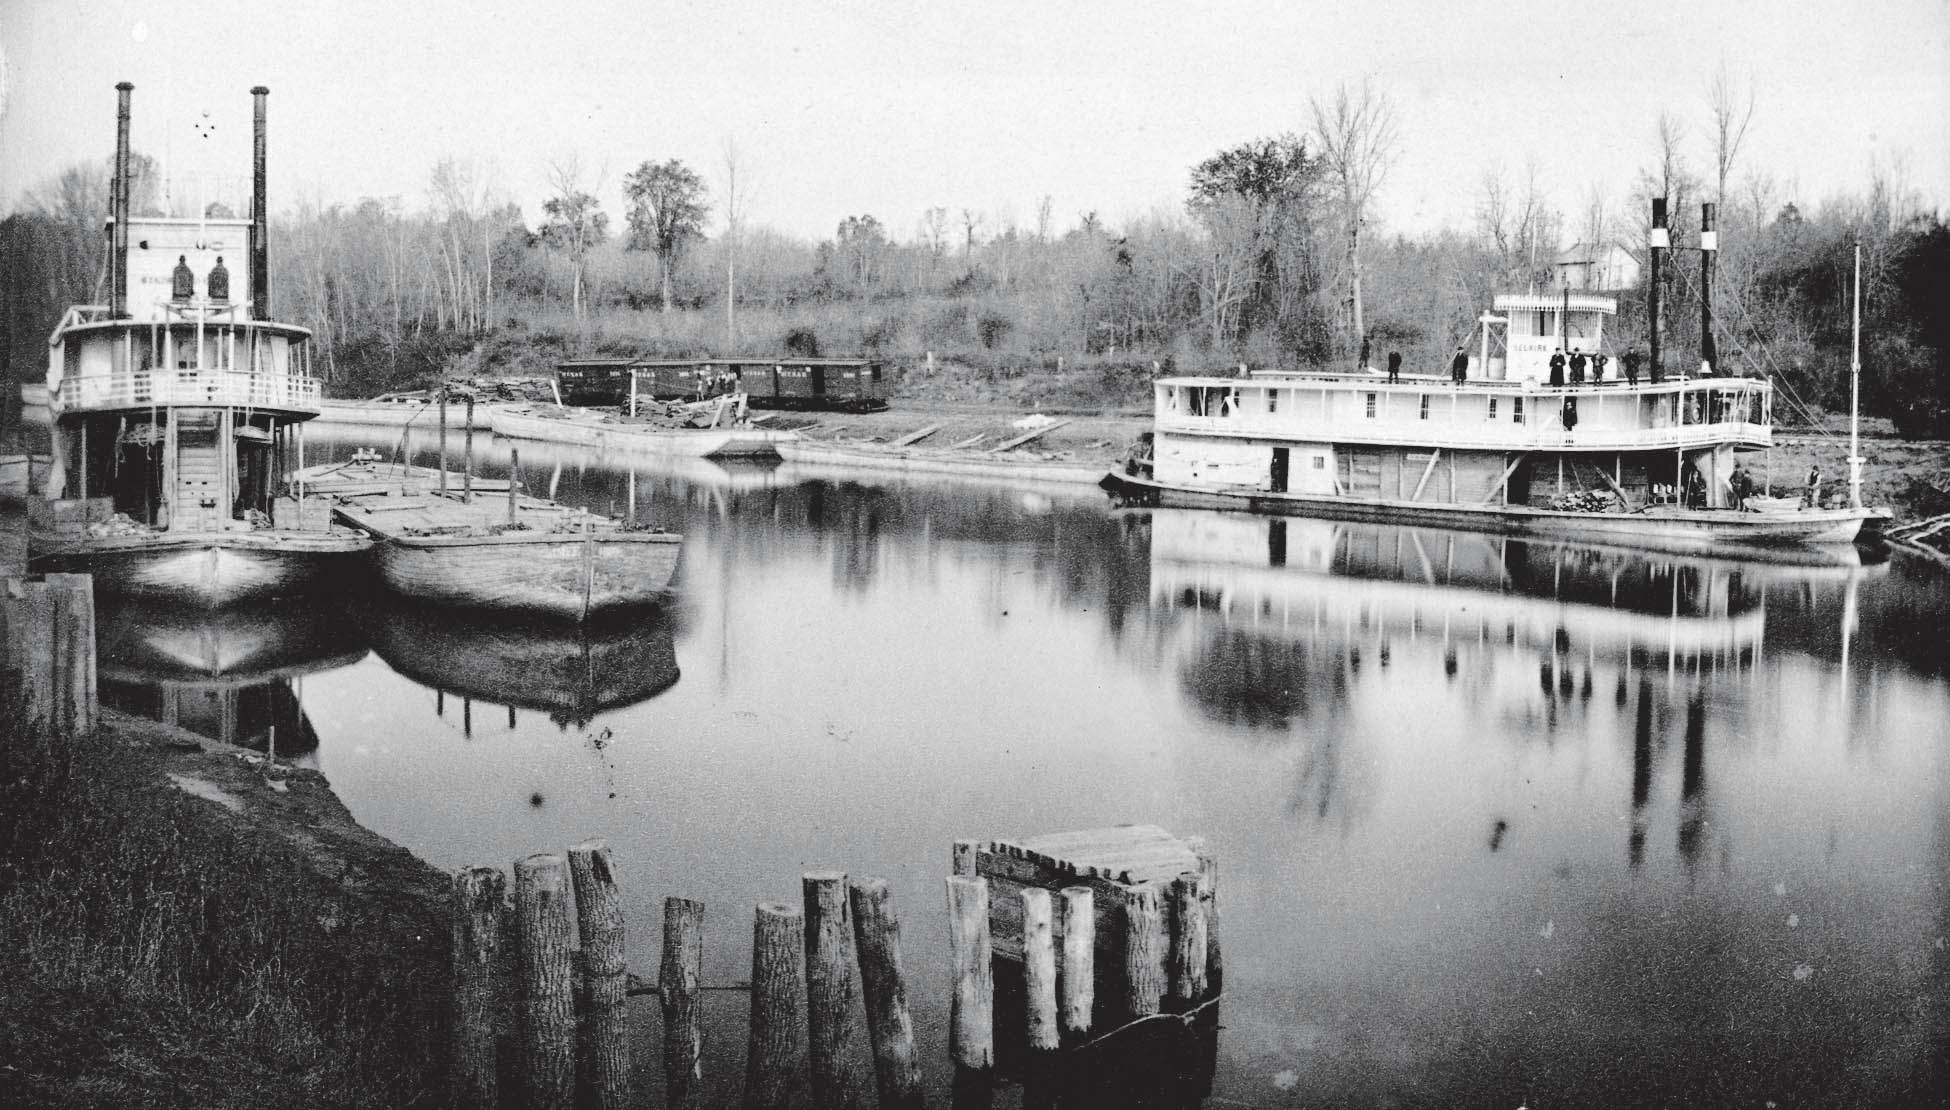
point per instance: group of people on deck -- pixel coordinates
(1458, 366)
(1579, 363)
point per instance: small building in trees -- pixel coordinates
(1599, 266)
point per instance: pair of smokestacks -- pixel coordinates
(260, 245)
(1709, 244)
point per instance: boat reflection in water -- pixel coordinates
(232, 675)
(569, 672)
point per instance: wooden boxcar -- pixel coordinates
(850, 385)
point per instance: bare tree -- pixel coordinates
(575, 222)
(1355, 136)
(1731, 116)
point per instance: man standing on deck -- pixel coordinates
(1811, 497)
(1631, 366)
(1577, 366)
(1459, 366)
(1557, 366)
(1394, 366)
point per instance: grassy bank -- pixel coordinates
(185, 927)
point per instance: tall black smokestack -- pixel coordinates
(260, 216)
(118, 190)
(1659, 243)
(1709, 246)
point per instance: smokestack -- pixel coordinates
(260, 216)
(1709, 246)
(118, 191)
(1658, 242)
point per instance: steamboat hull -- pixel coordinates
(639, 439)
(563, 575)
(1661, 528)
(208, 570)
(967, 464)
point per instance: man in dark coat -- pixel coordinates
(1598, 368)
(1394, 366)
(1632, 366)
(1557, 366)
(1459, 366)
(1577, 366)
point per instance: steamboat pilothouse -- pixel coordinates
(1511, 445)
(176, 408)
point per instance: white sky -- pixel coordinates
(843, 107)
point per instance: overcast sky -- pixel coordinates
(847, 107)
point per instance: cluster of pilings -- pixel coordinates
(542, 988)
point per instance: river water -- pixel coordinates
(1498, 824)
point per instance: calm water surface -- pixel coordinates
(1498, 824)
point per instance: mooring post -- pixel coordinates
(678, 982)
(467, 455)
(776, 1052)
(877, 937)
(603, 974)
(831, 988)
(443, 439)
(1144, 951)
(971, 1017)
(514, 481)
(546, 961)
(1186, 978)
(50, 642)
(1039, 970)
(964, 859)
(1208, 894)
(1078, 976)
(480, 895)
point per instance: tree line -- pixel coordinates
(1271, 257)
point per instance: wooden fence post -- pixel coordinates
(776, 1053)
(831, 988)
(877, 937)
(1144, 952)
(604, 1038)
(971, 1017)
(74, 616)
(1188, 943)
(479, 909)
(547, 976)
(678, 982)
(1078, 978)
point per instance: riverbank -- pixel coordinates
(185, 924)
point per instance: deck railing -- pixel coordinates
(158, 388)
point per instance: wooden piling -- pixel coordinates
(546, 975)
(1208, 891)
(514, 481)
(479, 907)
(443, 439)
(49, 626)
(603, 1041)
(964, 857)
(1186, 963)
(877, 937)
(831, 988)
(776, 1052)
(678, 981)
(1144, 952)
(1039, 970)
(1078, 978)
(971, 1017)
(467, 455)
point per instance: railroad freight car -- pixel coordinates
(594, 382)
(847, 385)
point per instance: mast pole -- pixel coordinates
(1855, 391)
